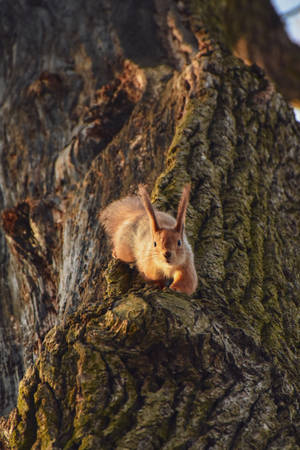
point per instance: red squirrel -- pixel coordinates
(152, 239)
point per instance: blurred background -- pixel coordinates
(289, 11)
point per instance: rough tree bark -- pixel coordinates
(96, 97)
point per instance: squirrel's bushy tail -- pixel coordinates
(119, 211)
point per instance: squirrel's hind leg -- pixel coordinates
(123, 252)
(122, 244)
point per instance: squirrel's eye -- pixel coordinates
(154, 243)
(179, 243)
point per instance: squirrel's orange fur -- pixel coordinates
(152, 239)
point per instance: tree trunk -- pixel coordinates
(97, 97)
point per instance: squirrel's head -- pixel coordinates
(168, 244)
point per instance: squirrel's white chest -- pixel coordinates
(166, 269)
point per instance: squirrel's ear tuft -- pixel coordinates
(182, 207)
(148, 207)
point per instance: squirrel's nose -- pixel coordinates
(167, 255)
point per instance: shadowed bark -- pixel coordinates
(123, 93)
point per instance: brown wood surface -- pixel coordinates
(97, 97)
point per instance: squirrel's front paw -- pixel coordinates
(181, 287)
(175, 287)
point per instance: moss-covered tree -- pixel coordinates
(96, 97)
